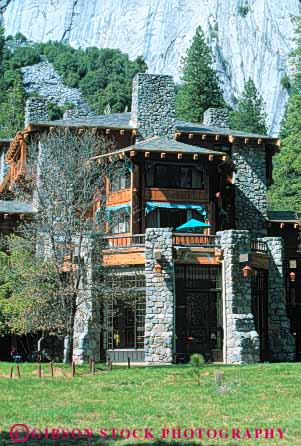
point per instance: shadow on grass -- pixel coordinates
(95, 440)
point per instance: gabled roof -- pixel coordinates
(114, 120)
(16, 207)
(284, 216)
(163, 144)
(123, 121)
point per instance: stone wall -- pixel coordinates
(160, 295)
(216, 117)
(281, 342)
(86, 336)
(35, 110)
(250, 188)
(240, 336)
(153, 105)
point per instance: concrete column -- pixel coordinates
(281, 342)
(240, 336)
(160, 296)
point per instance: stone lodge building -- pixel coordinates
(190, 234)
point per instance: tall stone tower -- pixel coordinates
(153, 105)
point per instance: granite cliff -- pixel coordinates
(250, 38)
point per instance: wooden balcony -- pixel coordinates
(176, 195)
(124, 241)
(119, 197)
(193, 240)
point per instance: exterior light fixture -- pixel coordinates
(246, 271)
(218, 195)
(292, 276)
(158, 268)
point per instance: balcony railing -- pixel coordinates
(258, 246)
(198, 240)
(179, 239)
(122, 241)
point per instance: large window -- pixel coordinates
(121, 177)
(119, 222)
(174, 176)
(171, 218)
(125, 308)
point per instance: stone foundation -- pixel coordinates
(160, 292)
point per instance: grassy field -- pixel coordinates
(257, 396)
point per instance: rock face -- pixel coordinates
(250, 38)
(42, 79)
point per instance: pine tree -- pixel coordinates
(285, 193)
(200, 89)
(12, 110)
(250, 115)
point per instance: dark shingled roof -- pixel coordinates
(282, 216)
(163, 144)
(16, 207)
(123, 120)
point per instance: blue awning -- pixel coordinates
(125, 206)
(152, 205)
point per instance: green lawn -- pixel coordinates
(258, 396)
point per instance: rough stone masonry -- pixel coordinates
(153, 105)
(160, 292)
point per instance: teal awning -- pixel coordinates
(125, 206)
(193, 224)
(152, 205)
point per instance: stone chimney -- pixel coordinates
(153, 105)
(36, 109)
(216, 117)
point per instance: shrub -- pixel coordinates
(243, 10)
(197, 360)
(285, 82)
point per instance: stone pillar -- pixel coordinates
(281, 342)
(160, 296)
(86, 335)
(36, 110)
(240, 336)
(249, 180)
(153, 105)
(216, 117)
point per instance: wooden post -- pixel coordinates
(90, 364)
(11, 373)
(111, 365)
(73, 369)
(51, 369)
(18, 371)
(39, 371)
(93, 367)
(129, 362)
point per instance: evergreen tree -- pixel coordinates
(12, 110)
(200, 89)
(285, 193)
(250, 115)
